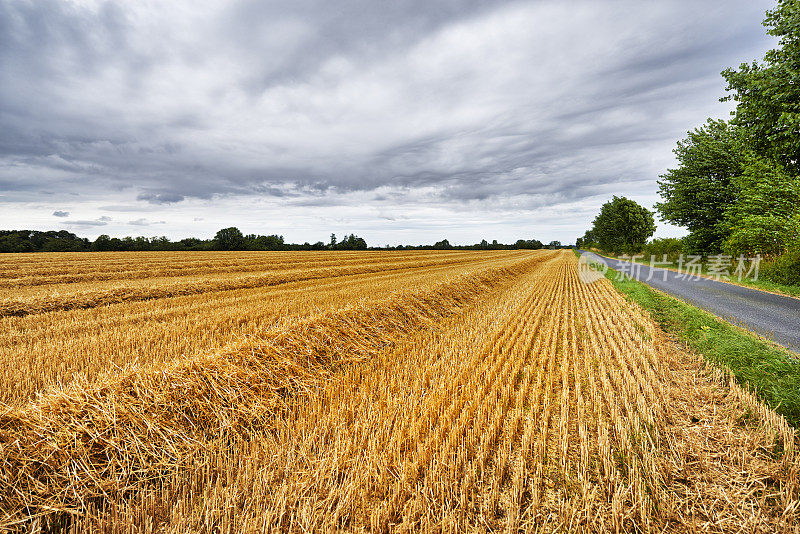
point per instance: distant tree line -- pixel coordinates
(520, 244)
(226, 239)
(35, 241)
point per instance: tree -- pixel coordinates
(264, 242)
(444, 244)
(587, 241)
(698, 191)
(765, 215)
(672, 247)
(13, 242)
(102, 243)
(528, 244)
(623, 226)
(192, 243)
(768, 94)
(351, 242)
(229, 239)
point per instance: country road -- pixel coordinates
(768, 314)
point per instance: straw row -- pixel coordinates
(100, 442)
(18, 307)
(135, 266)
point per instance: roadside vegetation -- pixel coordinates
(736, 188)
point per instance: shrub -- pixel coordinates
(784, 269)
(671, 246)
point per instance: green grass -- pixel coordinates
(759, 283)
(769, 371)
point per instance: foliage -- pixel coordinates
(349, 242)
(623, 226)
(229, 239)
(33, 241)
(225, 239)
(697, 192)
(587, 241)
(736, 187)
(768, 93)
(264, 242)
(528, 244)
(670, 246)
(765, 215)
(784, 269)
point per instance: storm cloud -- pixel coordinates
(404, 114)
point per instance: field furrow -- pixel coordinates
(514, 397)
(20, 303)
(56, 348)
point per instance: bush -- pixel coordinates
(784, 269)
(671, 246)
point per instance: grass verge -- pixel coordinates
(772, 373)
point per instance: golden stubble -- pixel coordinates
(511, 398)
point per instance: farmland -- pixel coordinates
(380, 392)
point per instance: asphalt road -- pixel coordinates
(770, 315)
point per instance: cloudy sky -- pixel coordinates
(401, 121)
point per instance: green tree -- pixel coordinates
(13, 242)
(698, 191)
(229, 239)
(103, 243)
(768, 93)
(671, 246)
(528, 244)
(587, 241)
(765, 215)
(623, 226)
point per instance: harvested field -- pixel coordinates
(462, 392)
(45, 349)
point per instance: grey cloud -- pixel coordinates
(59, 213)
(160, 198)
(356, 28)
(308, 101)
(129, 208)
(145, 222)
(95, 222)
